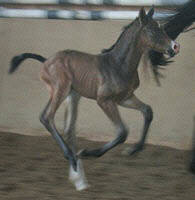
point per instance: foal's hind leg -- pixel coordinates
(111, 110)
(70, 118)
(58, 94)
(134, 103)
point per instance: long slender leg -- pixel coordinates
(47, 118)
(134, 103)
(72, 101)
(111, 110)
(70, 118)
(77, 175)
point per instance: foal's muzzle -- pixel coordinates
(173, 49)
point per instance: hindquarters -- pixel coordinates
(78, 69)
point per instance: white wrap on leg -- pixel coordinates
(78, 177)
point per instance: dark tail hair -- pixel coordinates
(184, 17)
(17, 60)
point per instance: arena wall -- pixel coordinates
(23, 95)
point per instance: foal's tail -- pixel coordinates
(17, 60)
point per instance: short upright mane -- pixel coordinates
(123, 31)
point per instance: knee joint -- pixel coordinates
(123, 135)
(148, 113)
(44, 120)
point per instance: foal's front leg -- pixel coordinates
(111, 110)
(134, 103)
(70, 117)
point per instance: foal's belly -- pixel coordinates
(86, 86)
(86, 91)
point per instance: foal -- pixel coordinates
(110, 78)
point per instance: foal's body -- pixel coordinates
(90, 74)
(105, 78)
(110, 78)
(65, 77)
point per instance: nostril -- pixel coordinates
(175, 47)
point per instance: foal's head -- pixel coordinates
(154, 37)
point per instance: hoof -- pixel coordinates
(131, 151)
(78, 177)
(84, 153)
(126, 151)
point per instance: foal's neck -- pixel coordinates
(128, 50)
(134, 54)
(121, 47)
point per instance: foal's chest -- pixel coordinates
(122, 89)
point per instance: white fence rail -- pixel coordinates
(75, 14)
(84, 14)
(101, 2)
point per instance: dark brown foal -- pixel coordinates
(110, 78)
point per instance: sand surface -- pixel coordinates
(33, 168)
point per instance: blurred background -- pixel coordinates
(90, 26)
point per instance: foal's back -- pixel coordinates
(77, 68)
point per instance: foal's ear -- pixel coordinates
(151, 12)
(142, 16)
